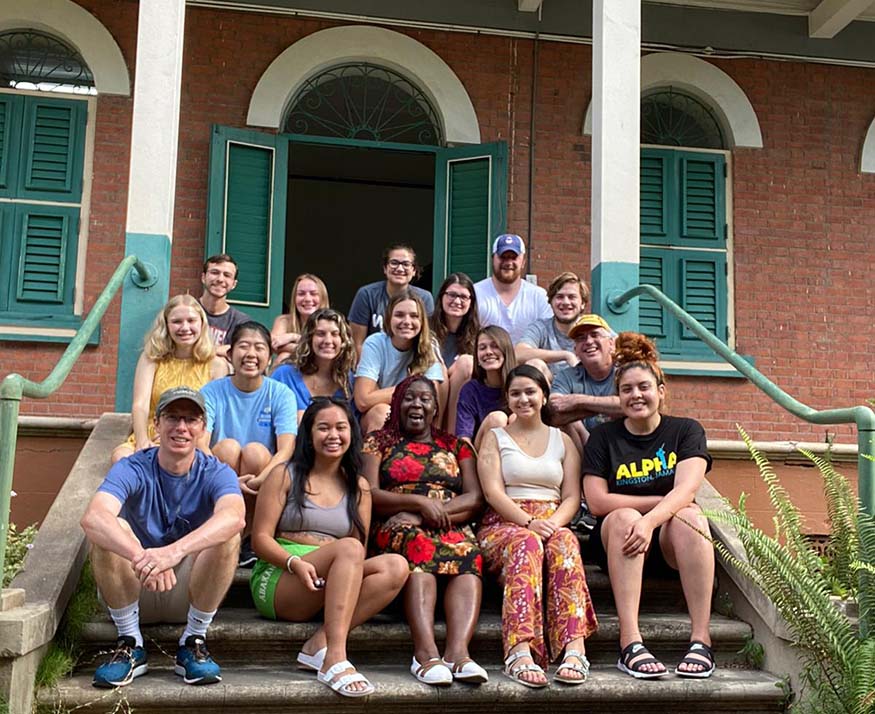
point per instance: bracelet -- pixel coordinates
(529, 522)
(289, 562)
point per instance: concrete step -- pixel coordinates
(660, 595)
(265, 690)
(238, 635)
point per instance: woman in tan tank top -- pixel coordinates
(530, 474)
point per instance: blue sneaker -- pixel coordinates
(126, 663)
(194, 664)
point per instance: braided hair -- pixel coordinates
(391, 433)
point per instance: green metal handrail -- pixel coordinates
(14, 386)
(862, 416)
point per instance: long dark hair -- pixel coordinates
(304, 458)
(466, 337)
(535, 374)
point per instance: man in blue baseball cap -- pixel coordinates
(506, 299)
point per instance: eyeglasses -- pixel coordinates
(460, 297)
(406, 264)
(176, 420)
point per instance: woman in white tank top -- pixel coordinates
(530, 474)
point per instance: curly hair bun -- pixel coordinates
(634, 347)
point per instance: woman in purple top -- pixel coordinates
(481, 404)
(454, 326)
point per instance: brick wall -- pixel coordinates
(801, 211)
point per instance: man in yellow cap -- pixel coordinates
(585, 395)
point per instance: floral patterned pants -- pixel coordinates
(519, 556)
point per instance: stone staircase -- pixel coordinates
(257, 658)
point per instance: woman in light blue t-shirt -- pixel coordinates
(405, 347)
(323, 361)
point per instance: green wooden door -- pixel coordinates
(247, 215)
(469, 208)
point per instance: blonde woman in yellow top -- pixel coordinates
(177, 351)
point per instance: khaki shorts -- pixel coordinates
(171, 606)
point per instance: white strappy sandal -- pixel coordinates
(339, 683)
(514, 672)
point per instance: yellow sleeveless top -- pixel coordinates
(173, 372)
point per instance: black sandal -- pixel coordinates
(637, 651)
(695, 652)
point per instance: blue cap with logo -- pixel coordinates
(508, 241)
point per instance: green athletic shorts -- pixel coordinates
(264, 578)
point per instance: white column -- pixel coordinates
(616, 97)
(152, 180)
(155, 132)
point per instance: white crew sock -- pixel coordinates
(127, 621)
(198, 622)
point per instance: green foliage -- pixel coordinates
(838, 659)
(17, 547)
(64, 651)
(753, 653)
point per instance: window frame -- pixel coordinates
(698, 364)
(34, 325)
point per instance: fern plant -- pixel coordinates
(838, 659)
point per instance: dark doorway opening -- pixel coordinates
(346, 204)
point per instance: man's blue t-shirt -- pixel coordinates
(161, 508)
(370, 303)
(248, 417)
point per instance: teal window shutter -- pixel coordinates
(702, 196)
(248, 219)
(44, 254)
(247, 215)
(10, 133)
(52, 149)
(42, 145)
(683, 246)
(470, 208)
(468, 216)
(651, 271)
(702, 278)
(656, 169)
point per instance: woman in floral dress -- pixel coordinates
(425, 493)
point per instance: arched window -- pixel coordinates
(683, 220)
(672, 118)
(30, 59)
(364, 101)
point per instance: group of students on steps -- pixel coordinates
(420, 441)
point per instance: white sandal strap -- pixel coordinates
(346, 679)
(337, 668)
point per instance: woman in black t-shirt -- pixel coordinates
(641, 474)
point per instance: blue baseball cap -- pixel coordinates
(508, 241)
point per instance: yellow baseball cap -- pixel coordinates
(589, 320)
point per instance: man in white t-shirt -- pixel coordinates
(506, 299)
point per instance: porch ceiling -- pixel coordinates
(826, 17)
(777, 28)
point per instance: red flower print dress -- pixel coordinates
(425, 469)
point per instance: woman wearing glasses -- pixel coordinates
(454, 326)
(369, 304)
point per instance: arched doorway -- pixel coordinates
(364, 158)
